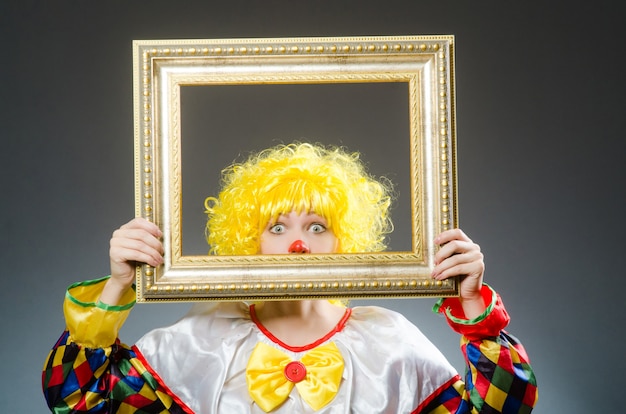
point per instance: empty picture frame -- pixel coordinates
(423, 66)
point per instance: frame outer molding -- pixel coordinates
(426, 63)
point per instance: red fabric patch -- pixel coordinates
(530, 396)
(56, 376)
(83, 373)
(137, 400)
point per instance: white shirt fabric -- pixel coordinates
(390, 366)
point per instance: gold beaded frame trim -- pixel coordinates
(424, 63)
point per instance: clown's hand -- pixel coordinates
(460, 256)
(137, 241)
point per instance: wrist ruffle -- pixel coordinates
(489, 324)
(91, 323)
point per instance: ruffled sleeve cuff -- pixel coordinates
(91, 323)
(489, 324)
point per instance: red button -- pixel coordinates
(295, 371)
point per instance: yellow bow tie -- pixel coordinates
(271, 375)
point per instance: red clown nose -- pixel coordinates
(298, 247)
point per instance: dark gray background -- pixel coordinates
(222, 124)
(540, 110)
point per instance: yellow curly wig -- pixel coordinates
(299, 177)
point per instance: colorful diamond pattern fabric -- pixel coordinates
(499, 380)
(109, 380)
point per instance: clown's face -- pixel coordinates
(298, 233)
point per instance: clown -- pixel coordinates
(290, 356)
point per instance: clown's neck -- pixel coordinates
(299, 323)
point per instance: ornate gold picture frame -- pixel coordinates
(422, 64)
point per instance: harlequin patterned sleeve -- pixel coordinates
(90, 371)
(499, 378)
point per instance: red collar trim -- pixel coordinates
(338, 328)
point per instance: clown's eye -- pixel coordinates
(277, 228)
(317, 228)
